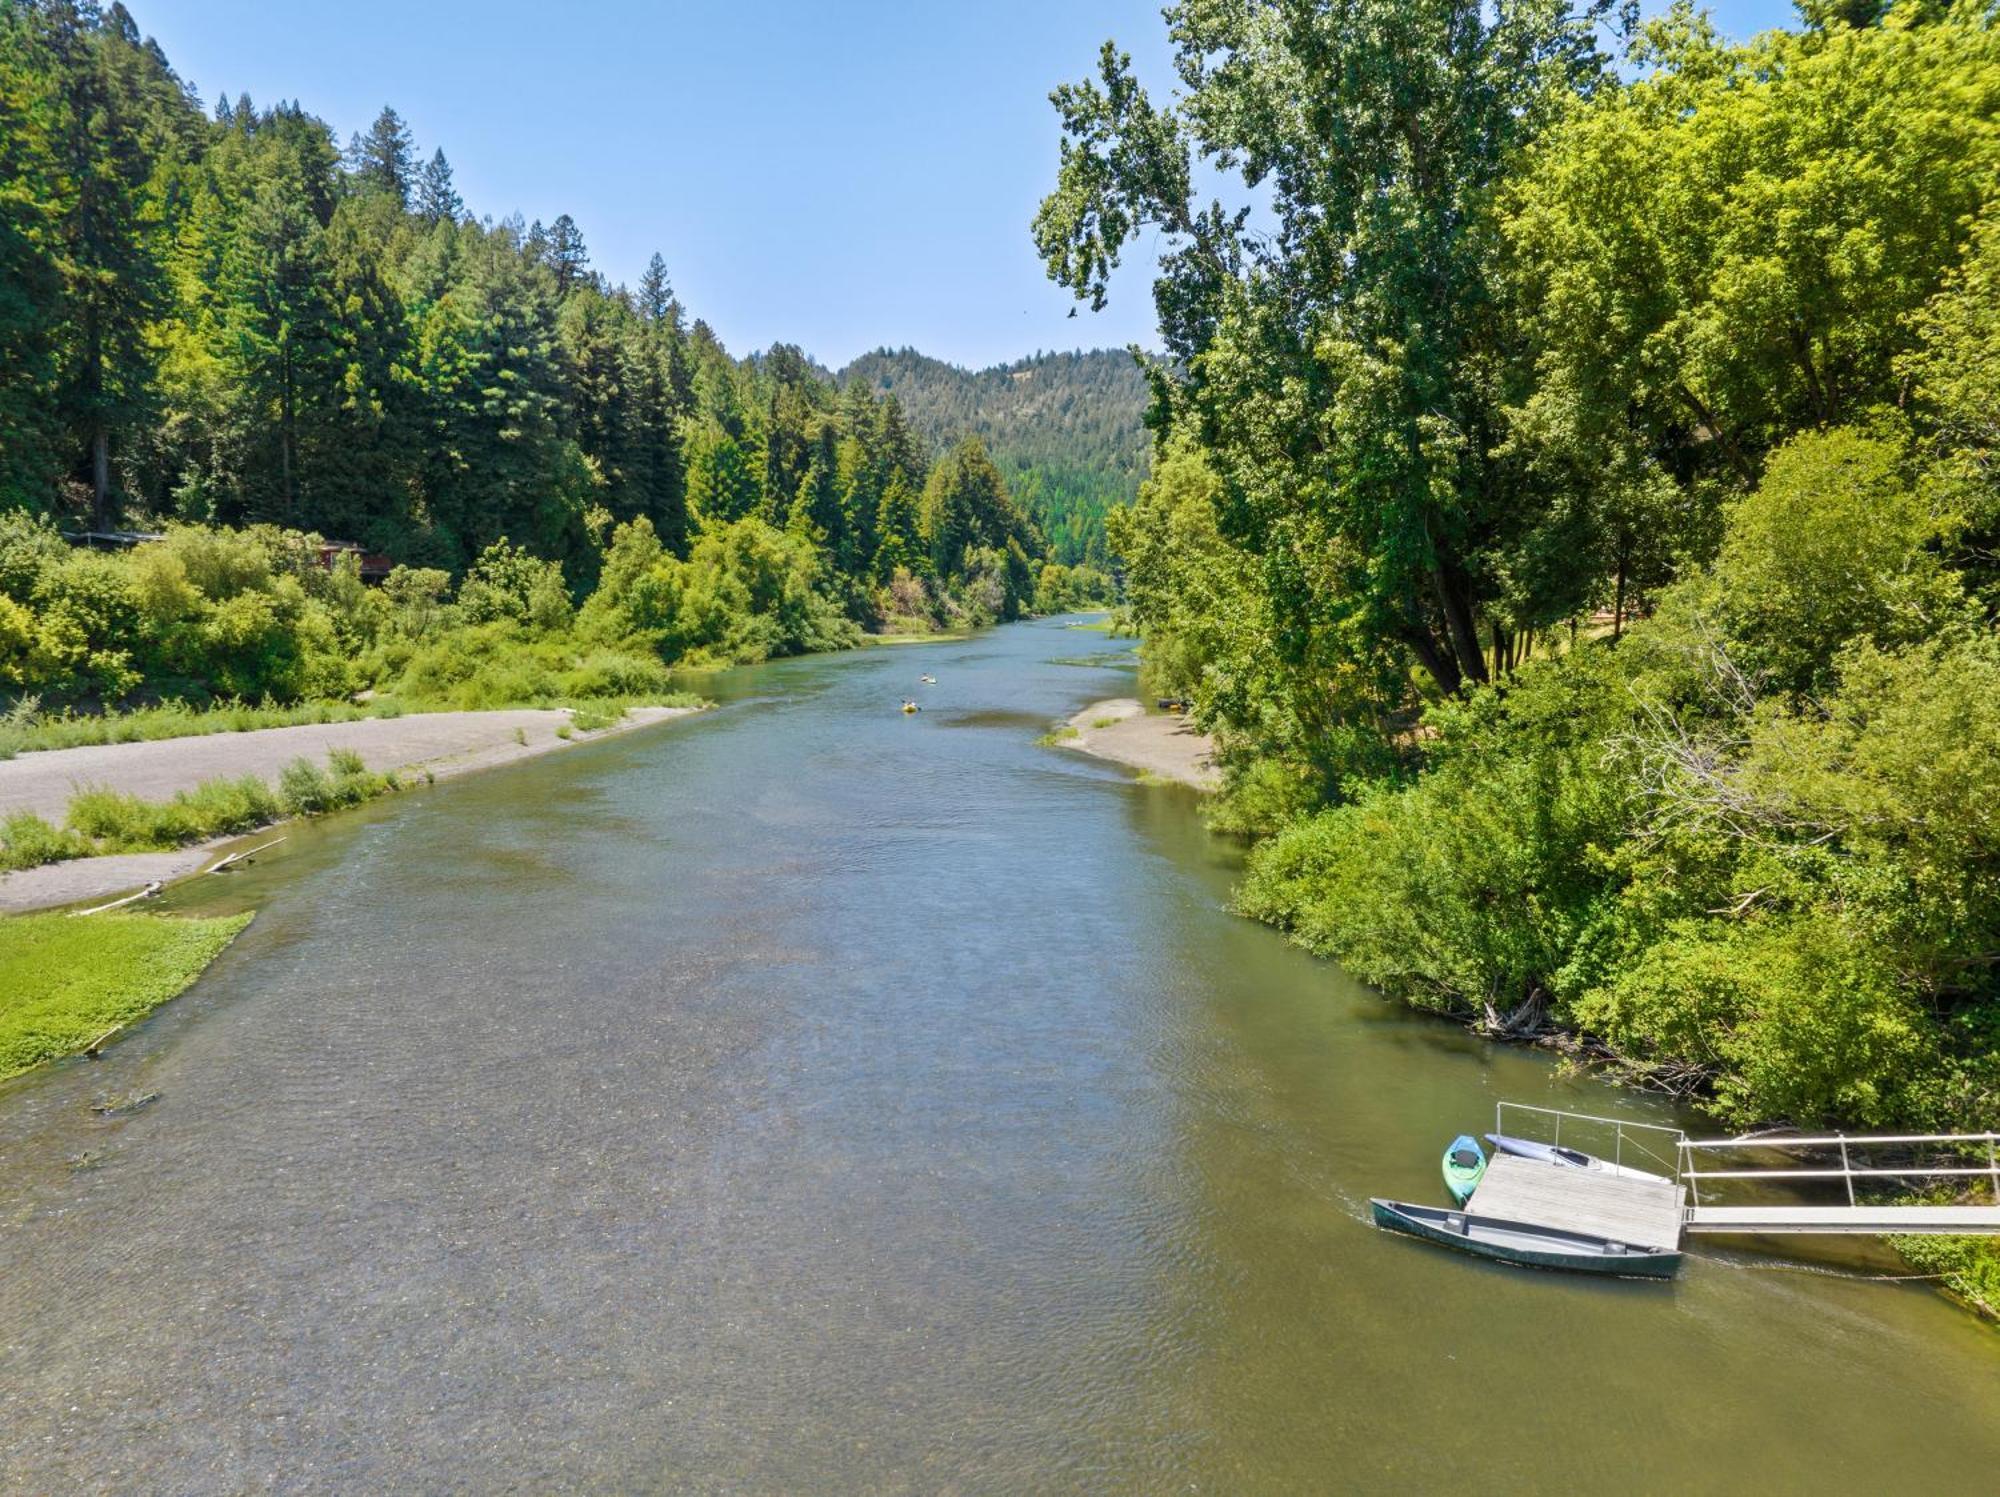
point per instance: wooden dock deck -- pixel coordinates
(1645, 1213)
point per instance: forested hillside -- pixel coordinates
(1066, 428)
(1580, 518)
(223, 318)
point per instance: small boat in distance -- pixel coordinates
(928, 680)
(911, 707)
(1464, 1166)
(1575, 1159)
(1525, 1244)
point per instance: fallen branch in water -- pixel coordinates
(244, 856)
(151, 891)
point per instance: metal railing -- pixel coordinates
(1620, 1128)
(1848, 1172)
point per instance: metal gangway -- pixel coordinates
(1700, 1185)
(1954, 1158)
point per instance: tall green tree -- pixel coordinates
(279, 311)
(567, 256)
(965, 506)
(661, 400)
(436, 196)
(31, 282)
(1347, 361)
(108, 235)
(1736, 246)
(385, 158)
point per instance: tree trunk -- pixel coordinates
(100, 479)
(100, 434)
(1442, 667)
(1618, 602)
(1715, 429)
(285, 430)
(1458, 618)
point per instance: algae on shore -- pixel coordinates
(66, 981)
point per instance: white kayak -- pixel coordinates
(1576, 1159)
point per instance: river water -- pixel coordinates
(810, 1097)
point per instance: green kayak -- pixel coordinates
(1464, 1166)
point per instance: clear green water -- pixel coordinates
(806, 1097)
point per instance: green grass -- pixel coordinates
(102, 821)
(65, 981)
(1057, 736)
(25, 728)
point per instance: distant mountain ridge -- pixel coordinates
(1067, 429)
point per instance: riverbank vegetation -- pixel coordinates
(26, 727)
(1576, 515)
(102, 821)
(224, 328)
(67, 981)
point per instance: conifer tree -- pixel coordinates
(660, 398)
(721, 483)
(896, 529)
(437, 199)
(566, 254)
(656, 294)
(384, 157)
(108, 239)
(279, 312)
(31, 184)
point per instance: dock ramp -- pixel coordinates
(1857, 1169)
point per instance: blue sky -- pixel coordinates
(838, 175)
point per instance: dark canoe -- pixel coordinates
(1525, 1243)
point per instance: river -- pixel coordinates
(809, 1097)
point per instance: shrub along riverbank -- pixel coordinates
(103, 821)
(1710, 339)
(28, 729)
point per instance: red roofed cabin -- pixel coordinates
(373, 567)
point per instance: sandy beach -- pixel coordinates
(1122, 731)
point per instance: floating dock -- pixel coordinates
(1645, 1213)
